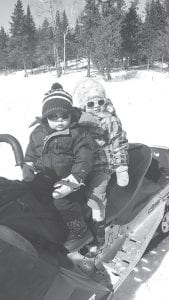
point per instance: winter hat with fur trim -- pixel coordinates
(86, 90)
(56, 101)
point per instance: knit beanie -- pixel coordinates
(86, 90)
(56, 101)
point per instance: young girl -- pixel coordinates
(111, 145)
(62, 150)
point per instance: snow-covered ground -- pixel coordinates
(141, 100)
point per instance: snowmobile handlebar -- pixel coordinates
(16, 147)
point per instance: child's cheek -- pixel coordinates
(52, 124)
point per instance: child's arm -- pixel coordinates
(119, 145)
(84, 158)
(32, 154)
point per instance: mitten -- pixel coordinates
(122, 176)
(28, 171)
(61, 190)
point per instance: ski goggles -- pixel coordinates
(98, 102)
(56, 117)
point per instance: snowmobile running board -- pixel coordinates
(134, 238)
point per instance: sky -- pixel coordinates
(7, 7)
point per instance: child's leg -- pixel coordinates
(96, 194)
(71, 211)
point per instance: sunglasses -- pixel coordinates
(64, 116)
(91, 104)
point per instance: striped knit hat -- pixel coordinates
(56, 101)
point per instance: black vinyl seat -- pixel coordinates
(148, 172)
(121, 200)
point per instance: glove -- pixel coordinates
(28, 171)
(122, 176)
(61, 190)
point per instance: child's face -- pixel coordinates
(60, 121)
(96, 105)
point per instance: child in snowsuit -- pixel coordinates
(111, 145)
(62, 150)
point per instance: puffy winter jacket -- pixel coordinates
(61, 153)
(111, 144)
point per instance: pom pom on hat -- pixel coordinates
(56, 101)
(86, 90)
(56, 86)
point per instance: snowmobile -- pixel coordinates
(135, 214)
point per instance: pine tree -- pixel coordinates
(17, 40)
(90, 21)
(154, 26)
(162, 45)
(17, 20)
(57, 44)
(3, 49)
(65, 39)
(64, 22)
(77, 46)
(107, 38)
(30, 37)
(131, 35)
(166, 6)
(55, 26)
(44, 49)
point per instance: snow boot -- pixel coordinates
(99, 238)
(79, 234)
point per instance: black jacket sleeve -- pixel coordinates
(84, 156)
(35, 145)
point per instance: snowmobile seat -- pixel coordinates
(162, 156)
(22, 213)
(149, 172)
(13, 238)
(121, 200)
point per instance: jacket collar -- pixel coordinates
(52, 136)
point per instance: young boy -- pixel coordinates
(111, 147)
(62, 150)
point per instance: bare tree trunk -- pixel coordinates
(77, 61)
(31, 68)
(148, 64)
(55, 48)
(6, 70)
(24, 65)
(108, 74)
(88, 65)
(162, 62)
(64, 50)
